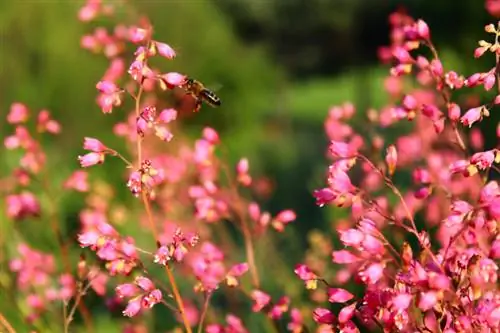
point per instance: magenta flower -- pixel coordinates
(144, 297)
(472, 115)
(18, 113)
(78, 181)
(323, 316)
(165, 50)
(91, 159)
(339, 295)
(260, 299)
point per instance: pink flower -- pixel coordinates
(138, 35)
(484, 160)
(423, 30)
(283, 218)
(18, 113)
(94, 145)
(211, 135)
(133, 307)
(472, 115)
(323, 316)
(346, 313)
(78, 181)
(242, 169)
(167, 116)
(165, 50)
(306, 275)
(261, 300)
(171, 80)
(91, 159)
(235, 272)
(338, 295)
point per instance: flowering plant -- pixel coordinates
(425, 254)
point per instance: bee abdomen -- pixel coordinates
(210, 97)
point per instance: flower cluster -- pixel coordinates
(453, 288)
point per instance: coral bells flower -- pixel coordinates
(46, 124)
(18, 113)
(110, 96)
(473, 115)
(171, 80)
(91, 159)
(323, 316)
(144, 297)
(78, 181)
(283, 218)
(177, 249)
(23, 205)
(242, 169)
(306, 275)
(164, 50)
(261, 300)
(235, 272)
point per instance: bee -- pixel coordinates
(201, 94)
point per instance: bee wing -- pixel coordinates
(215, 87)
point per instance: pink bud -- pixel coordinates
(211, 135)
(391, 158)
(165, 50)
(144, 283)
(338, 295)
(347, 313)
(91, 159)
(106, 87)
(471, 116)
(137, 35)
(410, 103)
(173, 79)
(323, 316)
(423, 29)
(436, 67)
(489, 81)
(93, 145)
(478, 52)
(453, 111)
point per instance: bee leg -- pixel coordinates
(197, 106)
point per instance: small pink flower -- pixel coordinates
(78, 181)
(18, 113)
(236, 271)
(283, 218)
(138, 35)
(306, 275)
(472, 115)
(453, 112)
(323, 316)
(171, 80)
(94, 145)
(242, 169)
(423, 30)
(91, 159)
(151, 299)
(165, 50)
(338, 295)
(211, 135)
(133, 307)
(167, 116)
(489, 81)
(346, 313)
(261, 300)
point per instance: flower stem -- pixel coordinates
(175, 289)
(5, 323)
(204, 312)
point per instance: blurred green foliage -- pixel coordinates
(280, 64)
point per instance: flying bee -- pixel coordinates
(201, 94)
